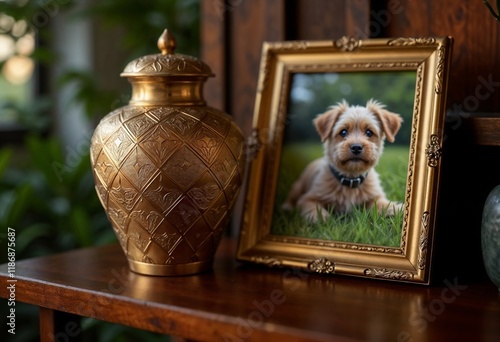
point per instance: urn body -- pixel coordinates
(167, 168)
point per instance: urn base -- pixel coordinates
(170, 270)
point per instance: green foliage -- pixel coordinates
(32, 115)
(49, 211)
(52, 205)
(5, 156)
(95, 330)
(95, 100)
(146, 20)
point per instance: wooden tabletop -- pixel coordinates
(484, 129)
(237, 302)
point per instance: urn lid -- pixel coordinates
(167, 63)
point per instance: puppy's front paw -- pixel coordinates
(287, 206)
(394, 208)
(318, 214)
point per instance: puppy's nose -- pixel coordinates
(356, 149)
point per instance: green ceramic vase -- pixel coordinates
(490, 236)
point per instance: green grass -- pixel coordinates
(362, 225)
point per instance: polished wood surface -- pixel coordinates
(236, 302)
(485, 130)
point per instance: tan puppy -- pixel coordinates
(353, 141)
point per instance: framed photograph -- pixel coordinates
(347, 144)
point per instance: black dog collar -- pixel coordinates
(352, 183)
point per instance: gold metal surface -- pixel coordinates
(170, 270)
(167, 63)
(411, 262)
(166, 43)
(167, 168)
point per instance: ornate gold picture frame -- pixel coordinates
(299, 80)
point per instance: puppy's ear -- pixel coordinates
(324, 122)
(391, 122)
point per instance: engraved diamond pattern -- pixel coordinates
(183, 215)
(139, 125)
(184, 167)
(140, 168)
(161, 195)
(218, 124)
(218, 212)
(197, 235)
(196, 112)
(129, 112)
(106, 168)
(168, 178)
(160, 113)
(108, 125)
(160, 145)
(225, 166)
(206, 143)
(123, 193)
(145, 217)
(118, 145)
(181, 123)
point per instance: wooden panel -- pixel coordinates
(213, 50)
(324, 19)
(251, 23)
(320, 19)
(47, 325)
(475, 69)
(485, 130)
(357, 19)
(59, 326)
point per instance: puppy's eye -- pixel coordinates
(369, 133)
(343, 133)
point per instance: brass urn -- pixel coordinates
(168, 168)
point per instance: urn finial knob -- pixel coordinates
(166, 43)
